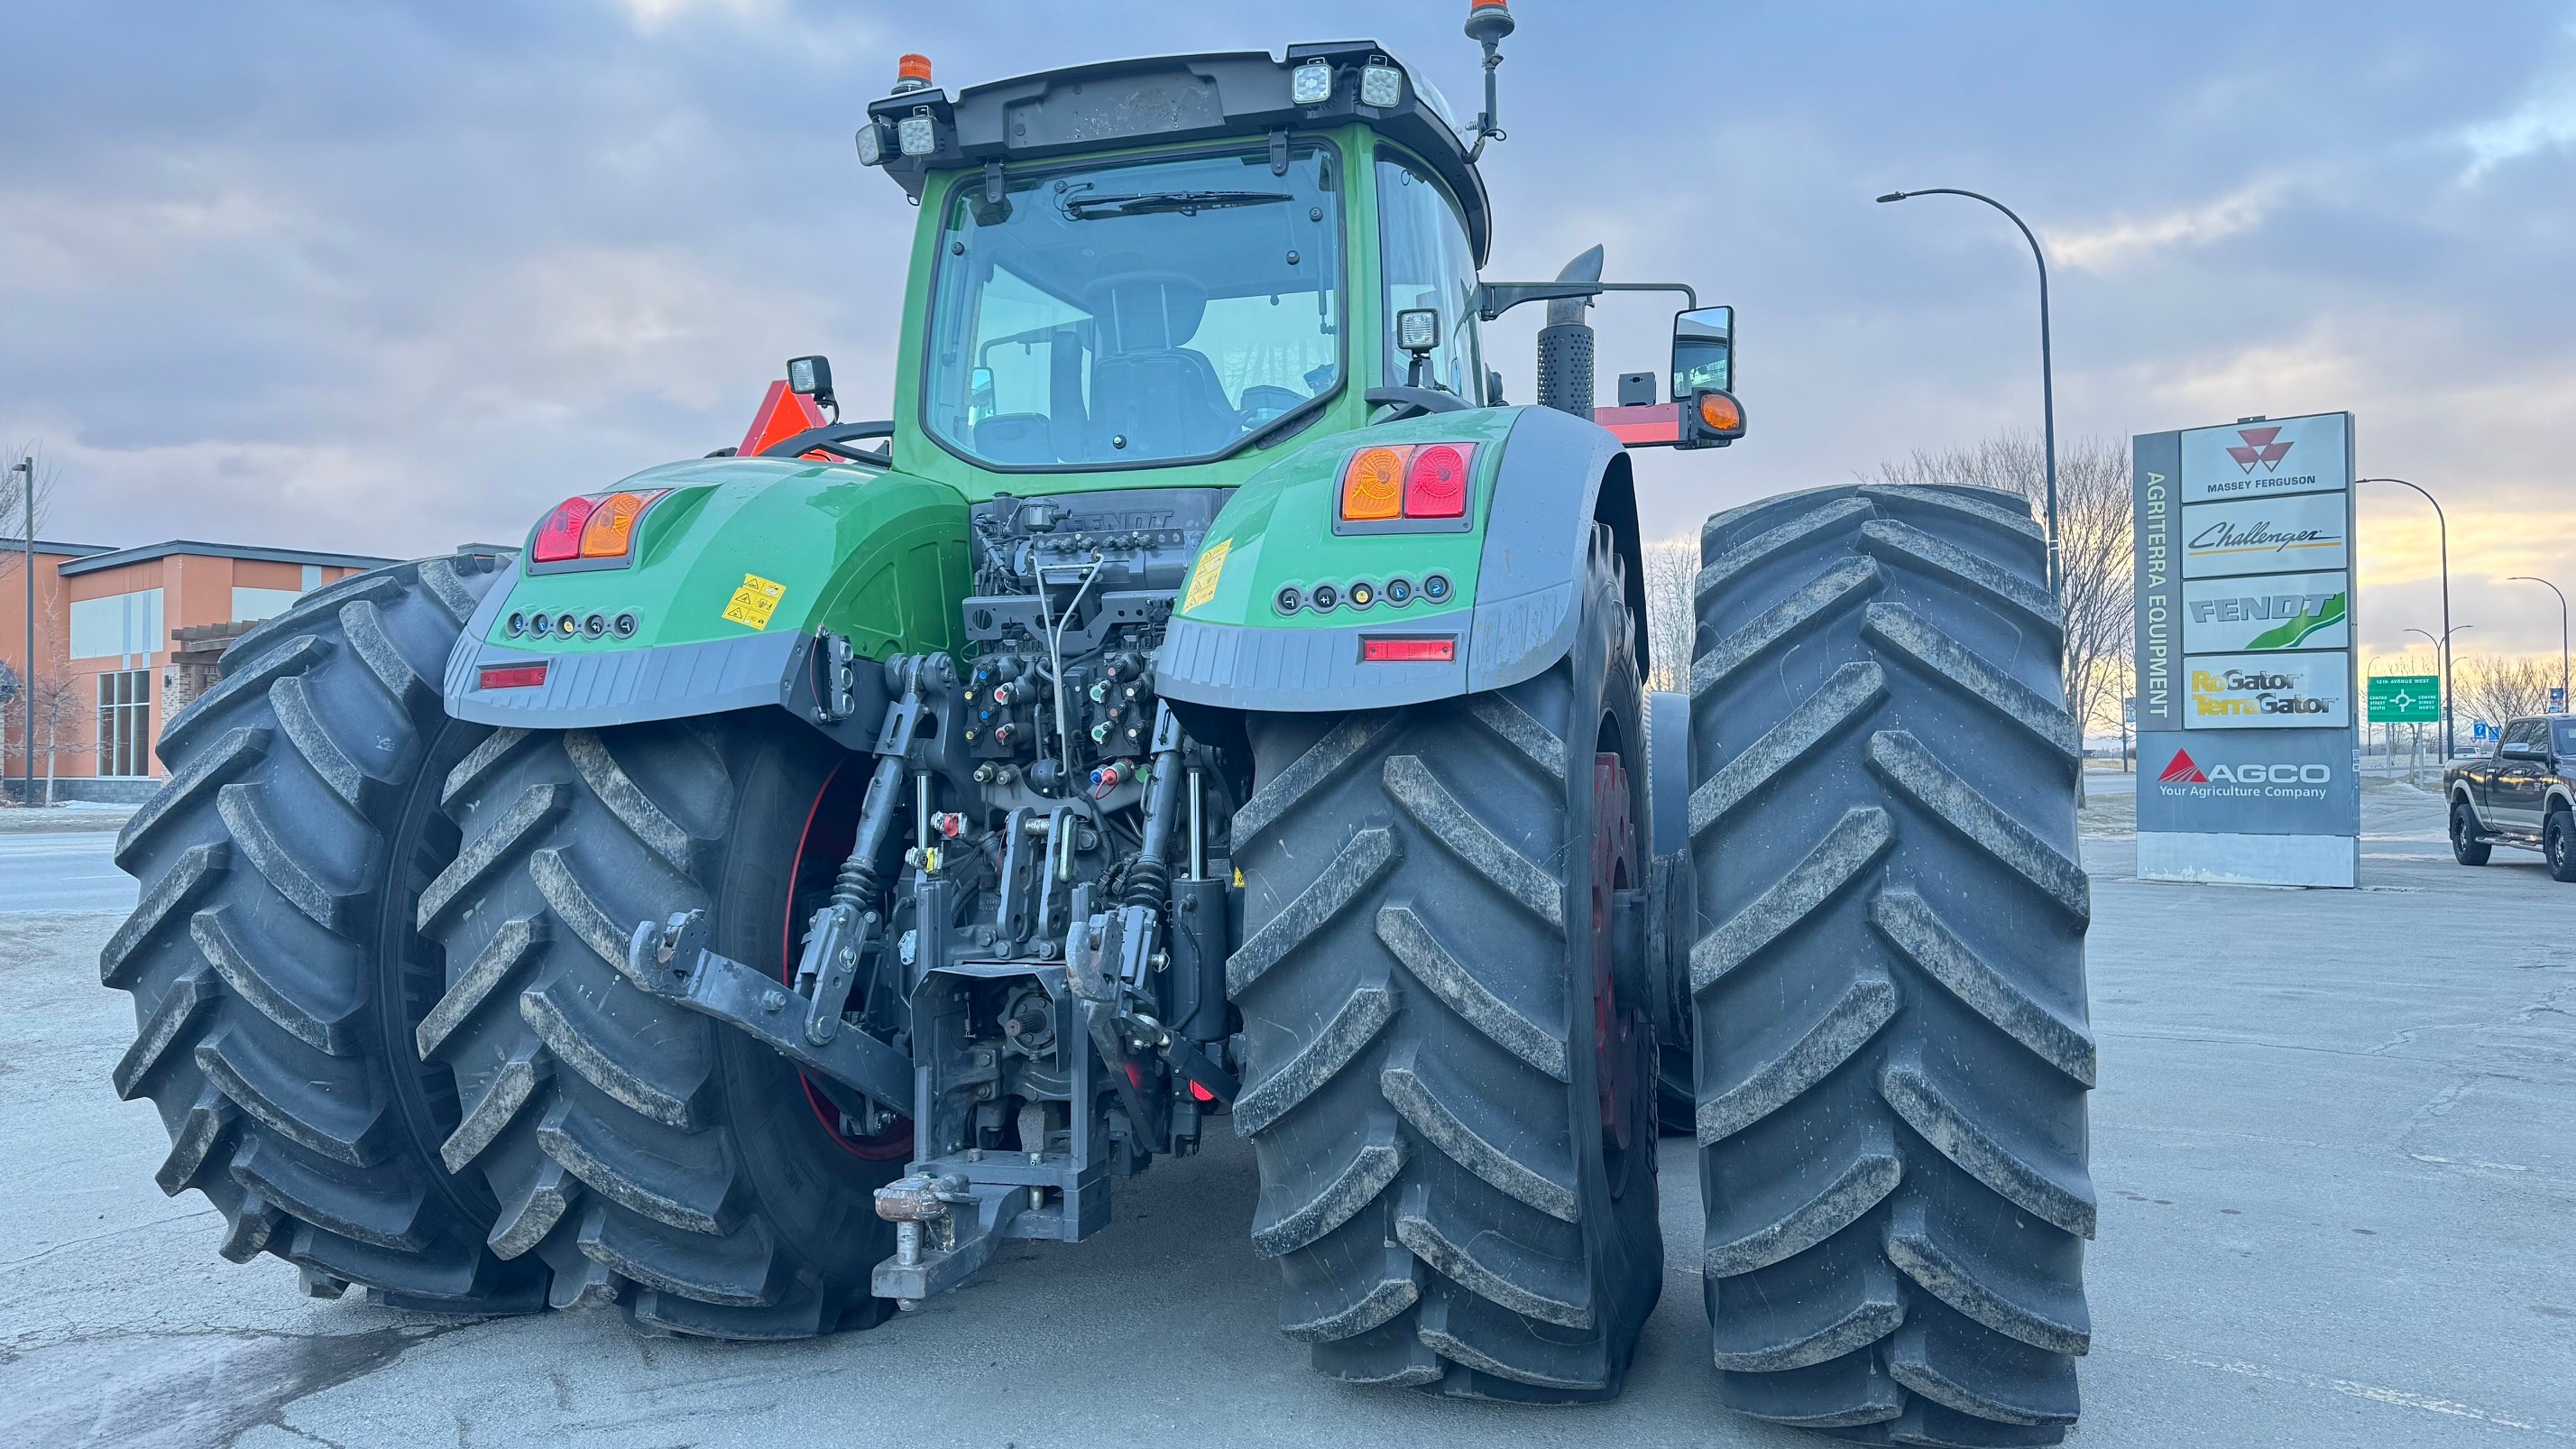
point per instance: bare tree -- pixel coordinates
(2095, 545)
(2497, 689)
(60, 706)
(13, 504)
(1672, 572)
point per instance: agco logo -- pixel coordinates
(2260, 448)
(2183, 770)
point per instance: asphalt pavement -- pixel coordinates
(2331, 1145)
(66, 870)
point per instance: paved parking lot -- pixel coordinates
(62, 871)
(2331, 1142)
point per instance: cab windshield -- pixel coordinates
(1147, 312)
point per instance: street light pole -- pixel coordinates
(25, 468)
(2047, 367)
(2443, 522)
(2566, 700)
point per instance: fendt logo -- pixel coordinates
(2260, 448)
(2183, 770)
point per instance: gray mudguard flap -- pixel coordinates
(1546, 495)
(671, 681)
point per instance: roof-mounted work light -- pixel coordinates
(1381, 83)
(1311, 84)
(917, 134)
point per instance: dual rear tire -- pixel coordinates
(375, 977)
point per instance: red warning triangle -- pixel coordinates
(782, 415)
(2183, 771)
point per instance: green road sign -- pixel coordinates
(2405, 698)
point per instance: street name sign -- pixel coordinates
(2406, 699)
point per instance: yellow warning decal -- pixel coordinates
(1211, 568)
(755, 601)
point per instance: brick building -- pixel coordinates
(125, 638)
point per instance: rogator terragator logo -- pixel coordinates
(2260, 449)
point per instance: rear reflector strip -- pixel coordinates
(1443, 650)
(513, 676)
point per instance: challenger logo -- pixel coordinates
(2260, 449)
(2183, 771)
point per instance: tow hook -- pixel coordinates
(944, 1230)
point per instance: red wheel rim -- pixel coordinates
(822, 845)
(1614, 1028)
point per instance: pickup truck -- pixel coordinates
(2522, 794)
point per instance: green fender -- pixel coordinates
(1541, 482)
(734, 574)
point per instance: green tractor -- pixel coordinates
(1201, 704)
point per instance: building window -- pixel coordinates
(251, 604)
(125, 722)
(126, 627)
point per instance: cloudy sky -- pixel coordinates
(386, 277)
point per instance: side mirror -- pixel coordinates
(1703, 351)
(2520, 751)
(1704, 378)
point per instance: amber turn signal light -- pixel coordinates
(611, 530)
(1720, 413)
(1373, 484)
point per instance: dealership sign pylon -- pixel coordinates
(2248, 742)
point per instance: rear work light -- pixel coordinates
(1442, 650)
(513, 676)
(591, 527)
(1386, 482)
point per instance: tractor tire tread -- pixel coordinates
(1892, 1048)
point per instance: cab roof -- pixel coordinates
(1173, 98)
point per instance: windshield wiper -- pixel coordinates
(1147, 203)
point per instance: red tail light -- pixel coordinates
(1442, 650)
(513, 676)
(559, 537)
(1435, 486)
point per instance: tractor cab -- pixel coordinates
(1190, 260)
(1178, 261)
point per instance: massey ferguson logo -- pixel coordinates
(2183, 770)
(2260, 448)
